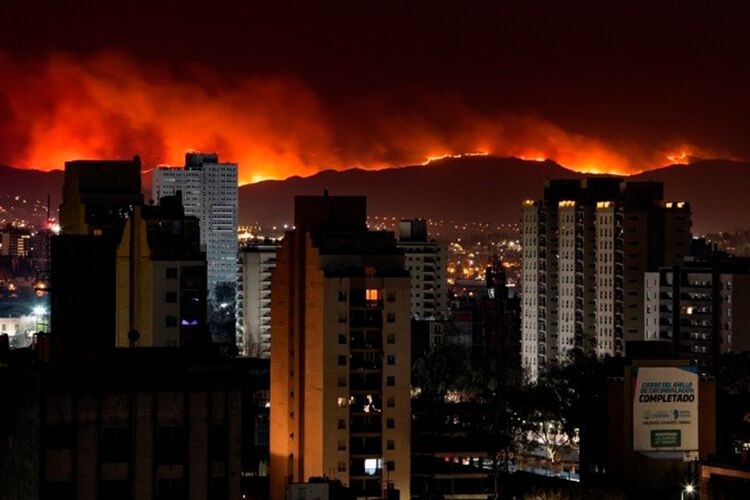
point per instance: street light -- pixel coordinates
(689, 489)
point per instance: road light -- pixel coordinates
(689, 489)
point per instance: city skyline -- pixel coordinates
(374, 251)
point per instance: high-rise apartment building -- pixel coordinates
(586, 247)
(702, 308)
(340, 329)
(426, 261)
(161, 278)
(98, 198)
(255, 264)
(209, 192)
(15, 242)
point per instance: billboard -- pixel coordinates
(665, 408)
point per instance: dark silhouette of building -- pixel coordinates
(124, 274)
(98, 197)
(145, 423)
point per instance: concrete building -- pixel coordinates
(98, 198)
(161, 278)
(586, 247)
(701, 308)
(15, 242)
(340, 324)
(209, 192)
(255, 264)
(151, 424)
(427, 262)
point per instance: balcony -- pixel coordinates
(365, 382)
(365, 446)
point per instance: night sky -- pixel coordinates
(292, 90)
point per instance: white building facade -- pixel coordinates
(255, 264)
(209, 192)
(427, 263)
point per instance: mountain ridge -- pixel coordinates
(468, 188)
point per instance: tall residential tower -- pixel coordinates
(426, 261)
(209, 192)
(340, 324)
(586, 247)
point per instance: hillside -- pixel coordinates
(482, 189)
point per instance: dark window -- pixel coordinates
(391, 403)
(172, 273)
(391, 297)
(115, 490)
(342, 296)
(218, 443)
(390, 444)
(341, 445)
(170, 489)
(342, 360)
(342, 381)
(219, 488)
(60, 437)
(390, 381)
(342, 338)
(390, 423)
(390, 338)
(390, 466)
(170, 445)
(171, 297)
(391, 359)
(342, 423)
(116, 444)
(58, 490)
(342, 466)
(391, 317)
(170, 321)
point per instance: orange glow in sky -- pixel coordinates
(109, 106)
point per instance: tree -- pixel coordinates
(556, 411)
(733, 402)
(221, 313)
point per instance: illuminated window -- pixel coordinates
(372, 466)
(341, 402)
(372, 295)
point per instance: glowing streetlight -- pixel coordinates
(689, 489)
